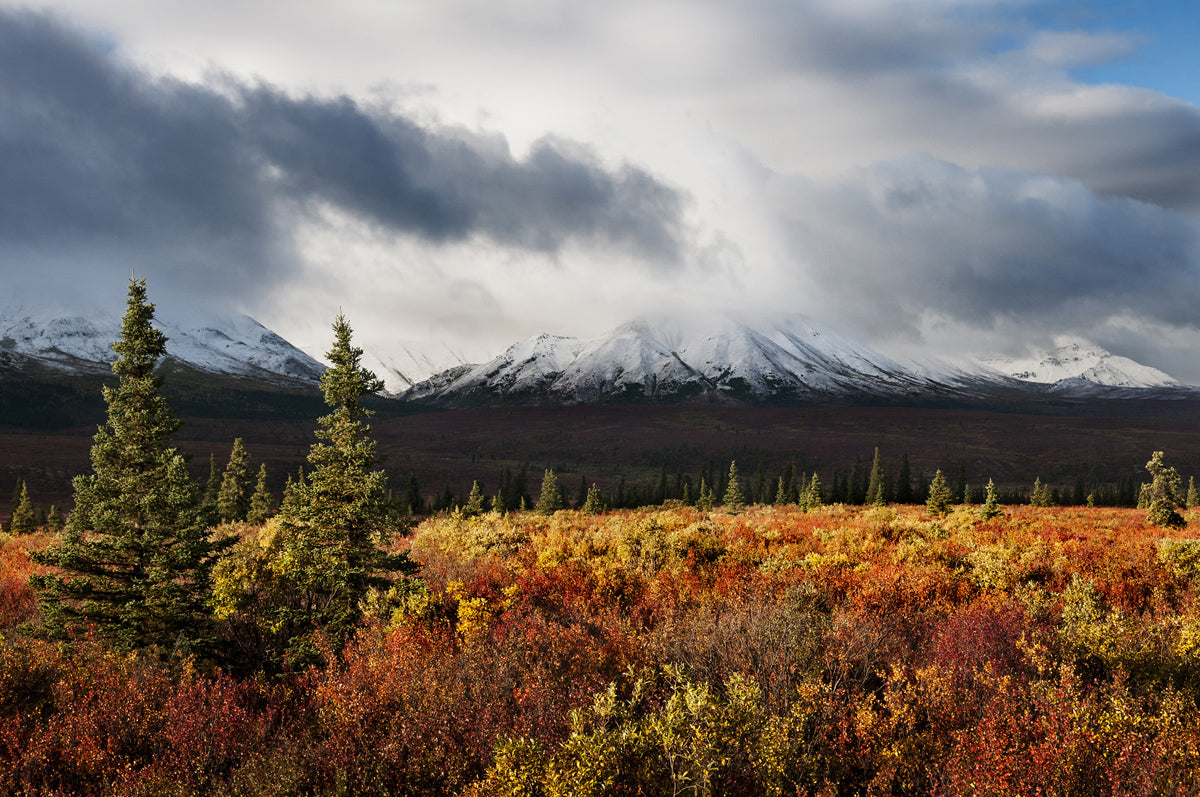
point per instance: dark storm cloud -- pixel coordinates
(993, 248)
(102, 165)
(92, 154)
(449, 184)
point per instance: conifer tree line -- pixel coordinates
(866, 482)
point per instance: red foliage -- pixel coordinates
(899, 656)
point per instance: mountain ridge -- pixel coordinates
(237, 346)
(781, 360)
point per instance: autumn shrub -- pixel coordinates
(1057, 736)
(18, 601)
(769, 632)
(980, 637)
(1182, 556)
(669, 736)
(665, 650)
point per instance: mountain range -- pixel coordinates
(700, 359)
(767, 361)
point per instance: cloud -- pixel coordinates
(909, 247)
(106, 168)
(462, 169)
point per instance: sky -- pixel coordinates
(934, 177)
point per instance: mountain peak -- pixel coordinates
(1077, 360)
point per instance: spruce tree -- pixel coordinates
(940, 496)
(54, 519)
(594, 503)
(262, 505)
(781, 496)
(991, 507)
(550, 499)
(135, 556)
(233, 499)
(705, 501)
(474, 505)
(815, 499)
(336, 519)
(24, 519)
(1164, 497)
(212, 488)
(1041, 495)
(1193, 497)
(876, 491)
(734, 502)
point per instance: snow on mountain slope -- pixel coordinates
(527, 367)
(664, 359)
(1077, 361)
(236, 345)
(403, 365)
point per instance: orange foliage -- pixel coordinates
(1044, 651)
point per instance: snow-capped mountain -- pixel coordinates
(1067, 365)
(774, 361)
(707, 359)
(237, 345)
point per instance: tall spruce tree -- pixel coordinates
(336, 519)
(135, 558)
(233, 499)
